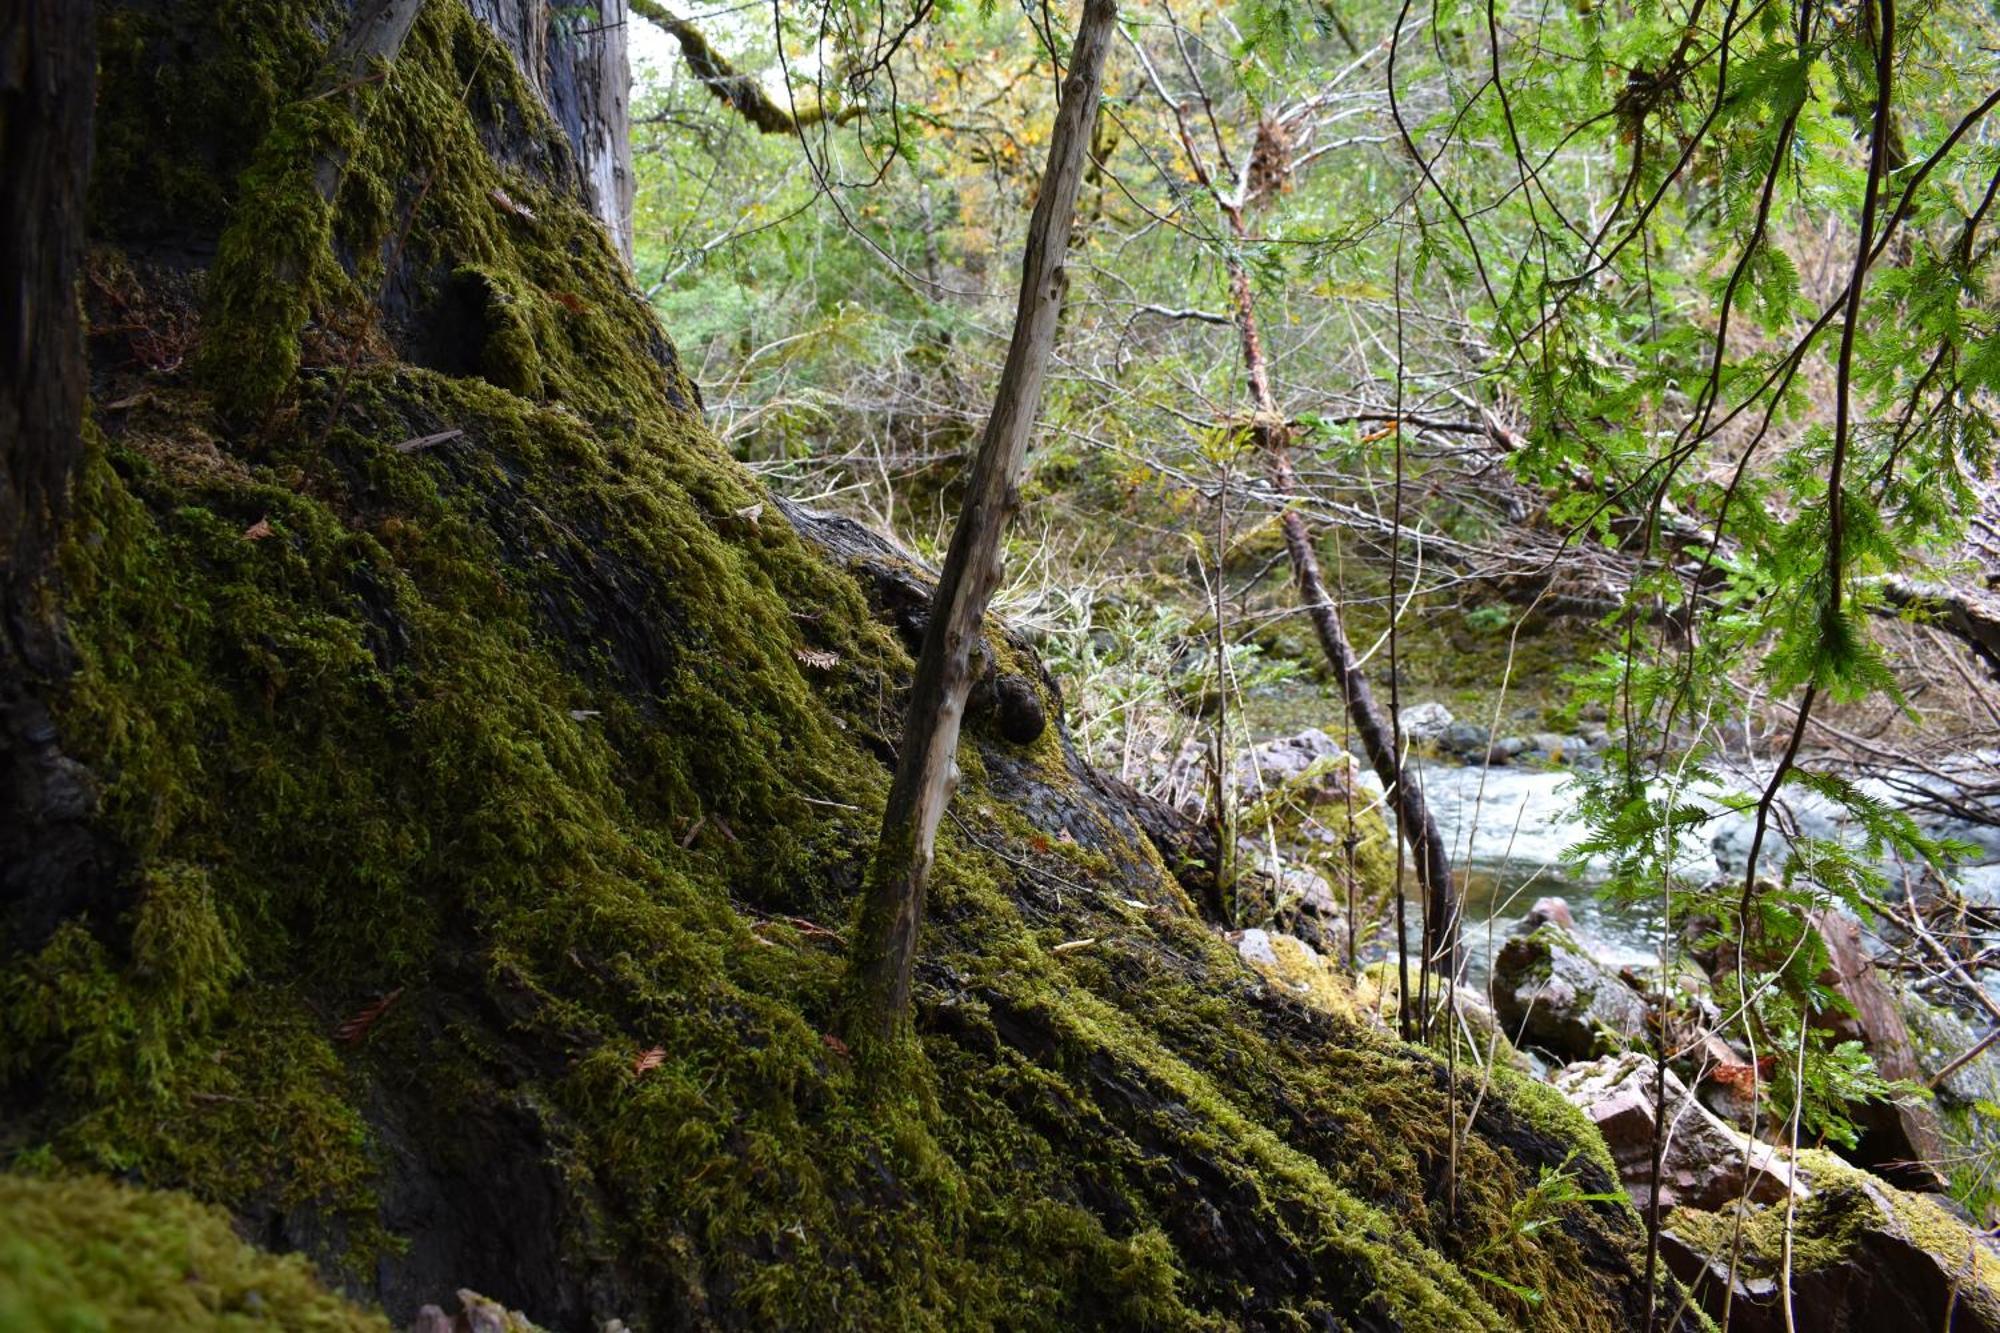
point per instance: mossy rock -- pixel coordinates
(1863, 1255)
(1968, 1101)
(1550, 992)
(1296, 969)
(484, 770)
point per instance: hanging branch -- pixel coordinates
(926, 771)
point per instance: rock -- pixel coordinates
(1509, 747)
(477, 1314)
(1310, 761)
(1704, 1161)
(1464, 738)
(1295, 969)
(1938, 1036)
(1550, 992)
(1308, 906)
(1866, 1258)
(1426, 722)
(1554, 745)
(1966, 1096)
(1546, 911)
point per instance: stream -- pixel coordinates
(1507, 828)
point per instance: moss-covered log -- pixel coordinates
(483, 768)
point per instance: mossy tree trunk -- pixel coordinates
(926, 768)
(47, 77)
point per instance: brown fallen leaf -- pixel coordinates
(751, 513)
(835, 1044)
(355, 1028)
(817, 658)
(649, 1060)
(258, 531)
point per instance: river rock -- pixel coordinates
(1704, 1162)
(1554, 746)
(1426, 722)
(1866, 1258)
(478, 1314)
(1966, 1097)
(1466, 739)
(1546, 911)
(1311, 761)
(1551, 993)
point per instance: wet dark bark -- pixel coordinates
(47, 86)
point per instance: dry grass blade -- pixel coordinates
(427, 441)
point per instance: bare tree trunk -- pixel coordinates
(926, 770)
(1413, 816)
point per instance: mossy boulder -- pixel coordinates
(1863, 1256)
(1294, 968)
(483, 770)
(1967, 1100)
(1551, 993)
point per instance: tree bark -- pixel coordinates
(47, 88)
(577, 62)
(926, 770)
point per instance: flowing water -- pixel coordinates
(1507, 829)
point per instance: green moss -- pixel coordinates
(1826, 1227)
(516, 727)
(86, 1254)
